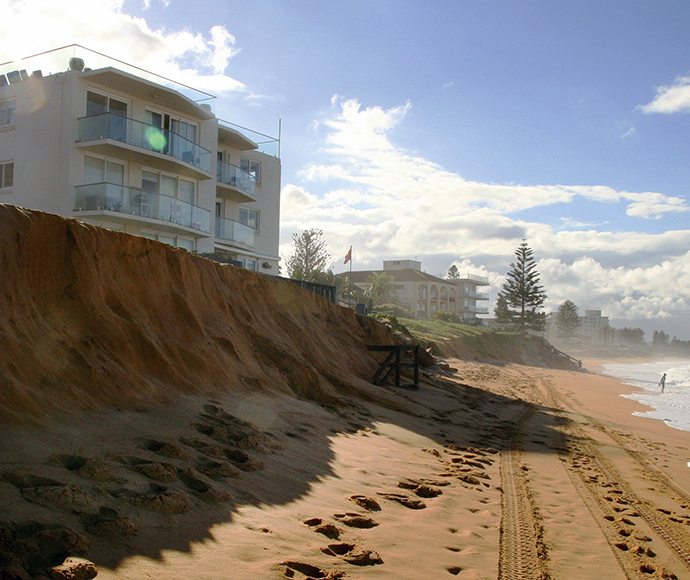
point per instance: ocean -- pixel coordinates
(673, 406)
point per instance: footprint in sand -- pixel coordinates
(407, 501)
(367, 503)
(355, 520)
(164, 448)
(49, 492)
(420, 489)
(353, 555)
(326, 528)
(309, 571)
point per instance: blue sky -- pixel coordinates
(448, 130)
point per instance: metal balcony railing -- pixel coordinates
(143, 135)
(132, 201)
(233, 175)
(234, 231)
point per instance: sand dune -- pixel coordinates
(166, 417)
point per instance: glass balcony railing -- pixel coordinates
(233, 175)
(265, 143)
(150, 137)
(234, 232)
(128, 200)
(476, 295)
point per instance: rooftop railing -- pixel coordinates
(233, 175)
(266, 144)
(234, 231)
(137, 202)
(474, 278)
(59, 59)
(150, 137)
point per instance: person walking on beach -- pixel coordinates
(662, 383)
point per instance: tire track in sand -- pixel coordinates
(611, 498)
(522, 554)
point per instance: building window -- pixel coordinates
(6, 174)
(7, 109)
(176, 125)
(434, 293)
(249, 217)
(421, 293)
(252, 167)
(172, 186)
(97, 104)
(98, 170)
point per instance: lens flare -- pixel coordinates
(155, 138)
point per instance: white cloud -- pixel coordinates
(361, 152)
(199, 60)
(391, 203)
(671, 99)
(624, 292)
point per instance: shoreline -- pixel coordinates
(657, 406)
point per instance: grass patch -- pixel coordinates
(439, 330)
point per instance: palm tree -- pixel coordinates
(381, 288)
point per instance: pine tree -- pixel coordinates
(522, 293)
(567, 320)
(310, 257)
(502, 313)
(453, 273)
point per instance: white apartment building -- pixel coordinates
(424, 295)
(591, 325)
(591, 328)
(122, 148)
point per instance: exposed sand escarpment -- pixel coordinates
(90, 317)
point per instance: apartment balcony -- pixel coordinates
(121, 204)
(474, 309)
(234, 232)
(476, 295)
(234, 184)
(124, 138)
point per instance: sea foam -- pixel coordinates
(673, 406)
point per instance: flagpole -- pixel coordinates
(351, 273)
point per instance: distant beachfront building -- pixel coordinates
(119, 147)
(592, 324)
(591, 329)
(424, 295)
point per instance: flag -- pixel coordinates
(348, 256)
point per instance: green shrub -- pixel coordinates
(396, 310)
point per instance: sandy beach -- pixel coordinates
(502, 471)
